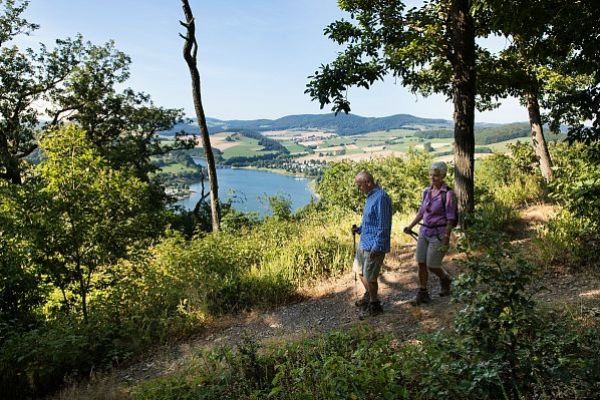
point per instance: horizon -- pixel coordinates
(354, 114)
(254, 57)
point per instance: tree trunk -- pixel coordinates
(190, 51)
(462, 58)
(538, 141)
(13, 172)
(11, 164)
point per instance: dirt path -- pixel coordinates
(330, 306)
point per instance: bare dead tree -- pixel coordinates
(190, 52)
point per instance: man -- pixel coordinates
(374, 242)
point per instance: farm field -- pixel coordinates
(327, 146)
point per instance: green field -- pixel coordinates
(401, 146)
(338, 141)
(294, 147)
(397, 140)
(354, 151)
(244, 147)
(372, 139)
(502, 147)
(177, 168)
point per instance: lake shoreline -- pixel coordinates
(248, 187)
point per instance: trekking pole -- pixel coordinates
(354, 255)
(354, 247)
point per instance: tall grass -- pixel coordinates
(173, 288)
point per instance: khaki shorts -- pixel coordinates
(368, 264)
(430, 251)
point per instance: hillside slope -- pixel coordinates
(329, 307)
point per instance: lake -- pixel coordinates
(246, 187)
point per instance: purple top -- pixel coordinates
(434, 218)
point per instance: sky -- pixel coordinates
(254, 55)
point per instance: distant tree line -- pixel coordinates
(435, 134)
(242, 161)
(343, 125)
(268, 143)
(501, 133)
(488, 135)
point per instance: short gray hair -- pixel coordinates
(439, 166)
(365, 176)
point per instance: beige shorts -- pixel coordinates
(368, 264)
(430, 251)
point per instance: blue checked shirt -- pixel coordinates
(376, 222)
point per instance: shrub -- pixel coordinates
(503, 185)
(339, 365)
(574, 232)
(280, 205)
(169, 290)
(402, 179)
(503, 345)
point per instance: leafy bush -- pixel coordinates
(170, 290)
(574, 233)
(340, 365)
(21, 292)
(402, 179)
(280, 205)
(503, 345)
(362, 363)
(569, 240)
(505, 183)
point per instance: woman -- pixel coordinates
(438, 213)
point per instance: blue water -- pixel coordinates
(247, 187)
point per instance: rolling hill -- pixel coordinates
(341, 124)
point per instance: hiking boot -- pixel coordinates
(363, 303)
(422, 297)
(445, 286)
(374, 308)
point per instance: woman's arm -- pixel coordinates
(451, 216)
(416, 220)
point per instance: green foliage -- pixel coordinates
(27, 76)
(35, 362)
(122, 125)
(401, 178)
(20, 290)
(339, 365)
(361, 363)
(554, 361)
(166, 291)
(573, 234)
(505, 183)
(577, 179)
(85, 215)
(280, 205)
(177, 169)
(236, 221)
(501, 133)
(502, 344)
(496, 323)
